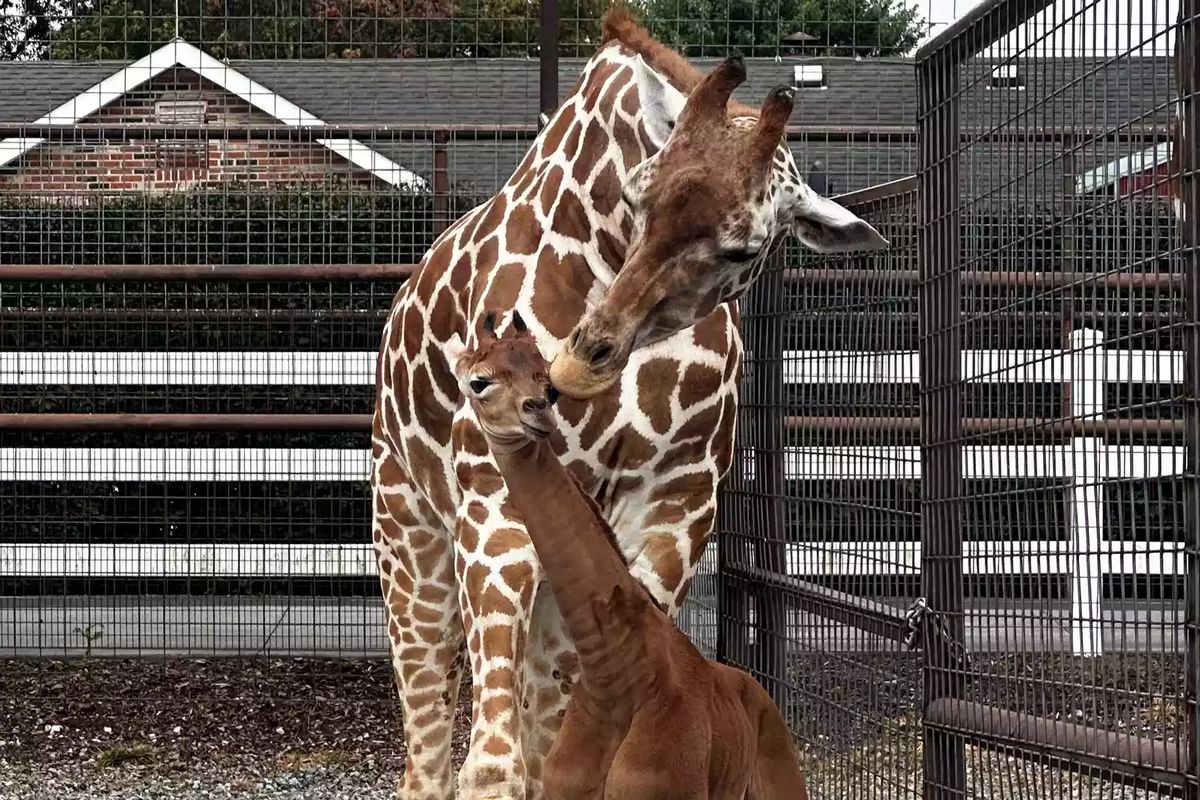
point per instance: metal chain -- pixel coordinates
(919, 617)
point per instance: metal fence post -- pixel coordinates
(1187, 63)
(548, 57)
(732, 603)
(441, 181)
(941, 414)
(1086, 517)
(764, 341)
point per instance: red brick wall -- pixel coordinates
(172, 164)
(1155, 182)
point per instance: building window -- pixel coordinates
(181, 112)
(1006, 76)
(186, 154)
(808, 76)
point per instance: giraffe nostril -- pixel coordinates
(533, 404)
(601, 354)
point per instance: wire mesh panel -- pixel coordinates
(1052, 270)
(976, 442)
(963, 474)
(174, 516)
(166, 487)
(819, 527)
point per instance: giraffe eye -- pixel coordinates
(479, 385)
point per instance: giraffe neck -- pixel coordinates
(583, 566)
(576, 168)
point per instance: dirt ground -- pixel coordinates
(326, 729)
(199, 728)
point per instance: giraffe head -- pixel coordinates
(717, 196)
(507, 382)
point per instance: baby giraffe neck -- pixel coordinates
(581, 563)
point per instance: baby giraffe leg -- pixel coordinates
(777, 770)
(582, 753)
(665, 755)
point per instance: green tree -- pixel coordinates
(324, 28)
(758, 27)
(25, 27)
(130, 29)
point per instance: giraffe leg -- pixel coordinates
(671, 552)
(551, 669)
(498, 574)
(415, 556)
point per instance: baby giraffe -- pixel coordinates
(650, 718)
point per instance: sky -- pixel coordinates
(1075, 27)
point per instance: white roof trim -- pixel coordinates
(182, 54)
(1113, 171)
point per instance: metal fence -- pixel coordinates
(959, 544)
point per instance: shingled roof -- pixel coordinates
(871, 94)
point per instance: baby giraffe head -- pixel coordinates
(507, 382)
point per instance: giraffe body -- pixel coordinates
(456, 563)
(650, 717)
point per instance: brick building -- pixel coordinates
(177, 86)
(862, 113)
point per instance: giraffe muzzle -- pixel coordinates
(586, 367)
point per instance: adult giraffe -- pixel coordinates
(658, 355)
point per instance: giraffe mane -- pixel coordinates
(619, 25)
(604, 526)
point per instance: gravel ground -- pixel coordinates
(200, 729)
(329, 729)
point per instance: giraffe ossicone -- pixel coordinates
(566, 241)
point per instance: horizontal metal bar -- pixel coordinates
(274, 316)
(417, 133)
(877, 618)
(1135, 760)
(265, 131)
(373, 272)
(1025, 427)
(362, 422)
(878, 192)
(995, 278)
(206, 272)
(191, 423)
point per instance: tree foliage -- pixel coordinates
(25, 27)
(757, 27)
(322, 28)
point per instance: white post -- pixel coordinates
(1086, 513)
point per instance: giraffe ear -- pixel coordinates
(454, 350)
(489, 328)
(825, 226)
(661, 102)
